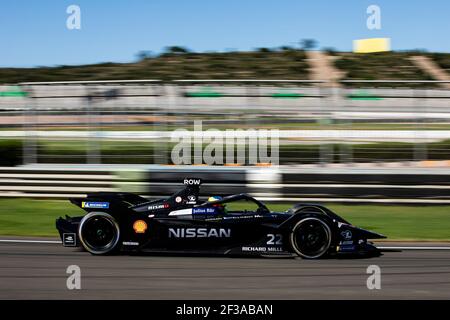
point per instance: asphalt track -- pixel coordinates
(38, 271)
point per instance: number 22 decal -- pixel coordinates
(274, 239)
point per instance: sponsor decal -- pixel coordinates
(182, 212)
(242, 217)
(140, 226)
(192, 200)
(178, 199)
(130, 243)
(214, 219)
(158, 206)
(262, 249)
(205, 211)
(346, 234)
(95, 205)
(344, 248)
(340, 224)
(192, 182)
(199, 233)
(69, 239)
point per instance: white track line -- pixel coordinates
(351, 200)
(414, 248)
(29, 241)
(379, 247)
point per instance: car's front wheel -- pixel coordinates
(99, 233)
(310, 237)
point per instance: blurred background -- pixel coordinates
(365, 130)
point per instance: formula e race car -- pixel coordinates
(183, 224)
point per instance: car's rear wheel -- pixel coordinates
(99, 233)
(310, 237)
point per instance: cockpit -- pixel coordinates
(235, 204)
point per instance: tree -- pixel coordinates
(143, 54)
(286, 48)
(308, 44)
(176, 50)
(329, 50)
(264, 49)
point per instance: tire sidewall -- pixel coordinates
(302, 220)
(112, 247)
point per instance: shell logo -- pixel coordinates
(140, 226)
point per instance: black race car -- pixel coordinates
(182, 224)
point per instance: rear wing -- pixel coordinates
(102, 200)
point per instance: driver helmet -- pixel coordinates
(215, 198)
(220, 206)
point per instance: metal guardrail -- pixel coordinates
(277, 184)
(53, 183)
(165, 106)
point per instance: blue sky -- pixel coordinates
(34, 33)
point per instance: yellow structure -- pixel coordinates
(372, 45)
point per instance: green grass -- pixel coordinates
(28, 217)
